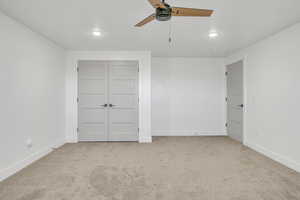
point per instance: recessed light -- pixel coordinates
(97, 33)
(213, 34)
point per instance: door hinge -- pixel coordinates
(226, 99)
(138, 69)
(226, 125)
(77, 100)
(226, 73)
(77, 68)
(138, 130)
(77, 130)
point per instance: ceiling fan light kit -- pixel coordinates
(164, 12)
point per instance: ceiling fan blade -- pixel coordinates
(157, 4)
(193, 12)
(146, 20)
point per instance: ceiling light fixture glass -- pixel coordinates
(213, 34)
(97, 33)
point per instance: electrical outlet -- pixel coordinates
(29, 143)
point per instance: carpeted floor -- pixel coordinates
(171, 168)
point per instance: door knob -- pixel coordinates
(242, 105)
(104, 105)
(111, 105)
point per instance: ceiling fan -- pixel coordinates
(164, 12)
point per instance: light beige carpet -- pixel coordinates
(171, 168)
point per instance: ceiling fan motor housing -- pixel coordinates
(164, 14)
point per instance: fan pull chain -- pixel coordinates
(170, 33)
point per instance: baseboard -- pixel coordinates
(58, 144)
(145, 140)
(71, 140)
(141, 140)
(189, 133)
(275, 156)
(4, 174)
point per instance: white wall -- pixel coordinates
(188, 96)
(144, 59)
(272, 82)
(32, 95)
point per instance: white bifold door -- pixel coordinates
(108, 101)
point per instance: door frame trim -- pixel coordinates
(229, 62)
(144, 60)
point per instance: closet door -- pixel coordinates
(92, 97)
(123, 101)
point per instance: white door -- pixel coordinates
(123, 101)
(92, 97)
(235, 105)
(108, 101)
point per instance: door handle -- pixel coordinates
(242, 105)
(111, 105)
(104, 105)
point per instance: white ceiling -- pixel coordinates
(70, 23)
